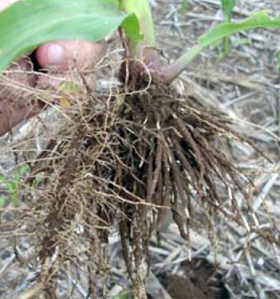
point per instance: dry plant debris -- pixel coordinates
(129, 158)
(146, 149)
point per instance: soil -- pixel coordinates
(199, 280)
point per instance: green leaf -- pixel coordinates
(132, 27)
(278, 61)
(184, 5)
(2, 201)
(15, 199)
(23, 170)
(29, 23)
(213, 36)
(227, 6)
(258, 20)
(122, 296)
(142, 10)
(3, 179)
(12, 186)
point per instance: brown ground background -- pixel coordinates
(240, 264)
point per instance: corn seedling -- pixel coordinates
(278, 62)
(29, 23)
(148, 149)
(13, 187)
(184, 5)
(227, 6)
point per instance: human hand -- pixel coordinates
(57, 57)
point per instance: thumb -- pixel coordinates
(63, 55)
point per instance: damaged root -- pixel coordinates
(140, 154)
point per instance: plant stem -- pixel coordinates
(226, 46)
(144, 50)
(176, 68)
(142, 9)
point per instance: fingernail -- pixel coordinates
(55, 54)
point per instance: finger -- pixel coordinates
(15, 98)
(5, 3)
(11, 117)
(64, 55)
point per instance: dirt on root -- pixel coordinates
(67, 206)
(147, 149)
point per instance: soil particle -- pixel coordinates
(199, 281)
